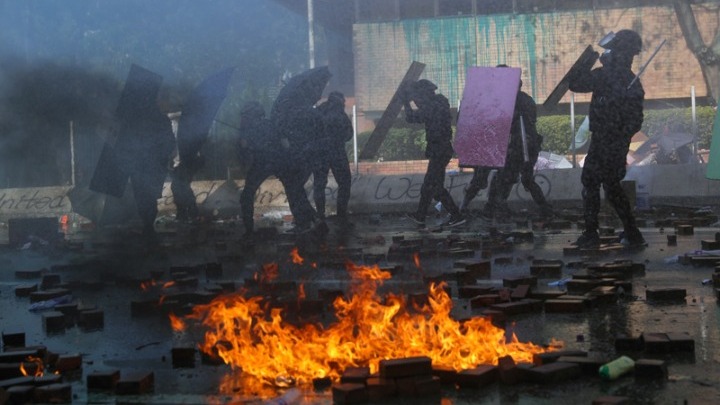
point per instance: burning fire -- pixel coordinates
(36, 371)
(295, 256)
(368, 328)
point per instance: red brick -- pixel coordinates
(681, 342)
(405, 367)
(588, 365)
(356, 375)
(484, 300)
(656, 342)
(520, 292)
(135, 383)
(519, 307)
(103, 380)
(512, 282)
(665, 294)
(651, 369)
(447, 375)
(68, 362)
(564, 306)
(540, 359)
(477, 377)
(554, 372)
(546, 270)
(380, 388)
(349, 393)
(53, 393)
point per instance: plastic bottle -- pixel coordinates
(616, 368)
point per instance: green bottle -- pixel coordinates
(616, 368)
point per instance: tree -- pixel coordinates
(707, 55)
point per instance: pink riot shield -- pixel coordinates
(486, 112)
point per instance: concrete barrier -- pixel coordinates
(673, 184)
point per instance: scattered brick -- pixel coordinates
(497, 318)
(629, 343)
(553, 372)
(479, 269)
(684, 229)
(405, 367)
(519, 307)
(44, 295)
(68, 362)
(520, 292)
(427, 385)
(447, 375)
(651, 369)
(103, 380)
(681, 342)
(704, 260)
(484, 300)
(665, 294)
(546, 295)
(50, 281)
(183, 357)
(709, 244)
(470, 291)
(588, 365)
(380, 388)
(13, 382)
(53, 322)
(540, 359)
(29, 274)
(349, 393)
(672, 240)
(512, 282)
(477, 377)
(509, 373)
(19, 394)
(656, 342)
(546, 270)
(92, 319)
(24, 290)
(47, 379)
(135, 383)
(464, 278)
(564, 306)
(13, 339)
(579, 286)
(60, 393)
(356, 375)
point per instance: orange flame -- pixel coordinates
(145, 285)
(368, 328)
(177, 324)
(168, 284)
(295, 256)
(416, 259)
(270, 271)
(301, 292)
(39, 367)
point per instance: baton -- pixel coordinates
(526, 155)
(642, 69)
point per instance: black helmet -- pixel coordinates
(252, 109)
(423, 85)
(623, 41)
(337, 97)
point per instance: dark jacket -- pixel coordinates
(525, 107)
(263, 141)
(438, 130)
(338, 128)
(616, 112)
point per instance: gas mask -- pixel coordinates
(606, 57)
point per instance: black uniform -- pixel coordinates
(145, 152)
(260, 140)
(616, 114)
(337, 130)
(183, 196)
(300, 127)
(515, 163)
(434, 111)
